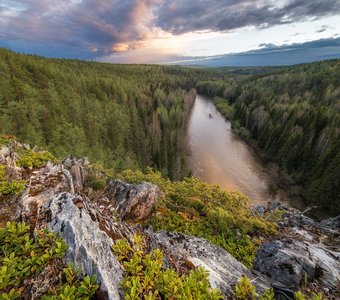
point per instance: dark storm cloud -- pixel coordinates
(91, 26)
(184, 15)
(94, 28)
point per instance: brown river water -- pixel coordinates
(219, 156)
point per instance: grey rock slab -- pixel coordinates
(89, 247)
(224, 270)
(288, 261)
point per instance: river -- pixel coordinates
(219, 156)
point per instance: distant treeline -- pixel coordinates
(124, 116)
(292, 116)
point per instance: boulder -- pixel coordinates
(289, 261)
(134, 202)
(331, 224)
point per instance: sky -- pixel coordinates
(197, 32)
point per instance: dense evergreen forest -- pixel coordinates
(124, 116)
(292, 116)
(133, 116)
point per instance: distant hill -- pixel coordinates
(272, 55)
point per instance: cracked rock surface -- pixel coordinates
(306, 250)
(289, 261)
(89, 247)
(224, 269)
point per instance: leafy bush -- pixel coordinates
(245, 290)
(224, 107)
(12, 295)
(314, 296)
(32, 159)
(22, 255)
(6, 139)
(12, 187)
(197, 208)
(145, 277)
(148, 176)
(96, 176)
(74, 288)
(2, 172)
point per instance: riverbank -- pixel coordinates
(220, 157)
(280, 177)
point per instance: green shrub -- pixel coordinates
(224, 107)
(32, 159)
(12, 187)
(74, 288)
(22, 255)
(2, 172)
(145, 277)
(314, 296)
(194, 207)
(96, 176)
(12, 295)
(148, 176)
(6, 139)
(244, 289)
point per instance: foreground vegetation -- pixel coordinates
(196, 208)
(23, 257)
(145, 277)
(28, 257)
(292, 116)
(26, 158)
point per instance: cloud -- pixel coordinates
(97, 28)
(103, 27)
(323, 28)
(184, 15)
(269, 55)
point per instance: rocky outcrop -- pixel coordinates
(134, 202)
(331, 225)
(89, 247)
(90, 222)
(224, 270)
(75, 171)
(304, 250)
(90, 227)
(90, 233)
(291, 262)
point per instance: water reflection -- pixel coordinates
(219, 156)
